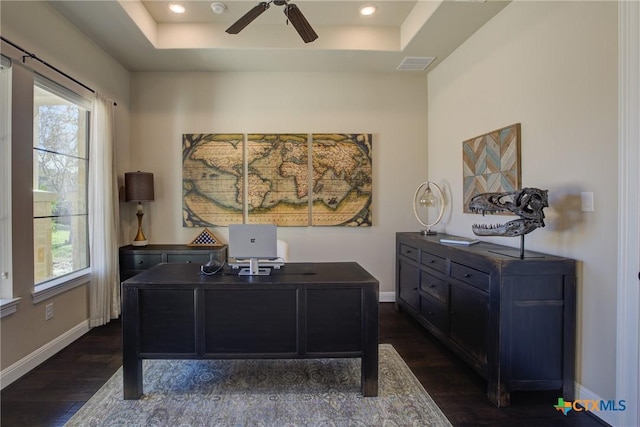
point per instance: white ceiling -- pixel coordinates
(146, 36)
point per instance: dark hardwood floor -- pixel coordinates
(50, 394)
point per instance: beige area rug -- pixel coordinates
(279, 393)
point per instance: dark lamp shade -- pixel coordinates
(138, 186)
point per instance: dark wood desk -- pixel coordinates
(303, 310)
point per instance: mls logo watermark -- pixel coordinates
(586, 405)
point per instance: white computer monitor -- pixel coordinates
(253, 242)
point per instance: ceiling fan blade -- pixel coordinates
(247, 18)
(300, 23)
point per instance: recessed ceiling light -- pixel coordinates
(177, 7)
(368, 9)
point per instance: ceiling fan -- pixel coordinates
(292, 12)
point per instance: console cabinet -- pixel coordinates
(511, 319)
(135, 259)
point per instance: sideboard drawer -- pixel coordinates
(188, 258)
(409, 252)
(436, 262)
(139, 261)
(437, 288)
(473, 277)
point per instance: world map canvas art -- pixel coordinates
(281, 179)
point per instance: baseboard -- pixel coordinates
(387, 297)
(583, 393)
(31, 361)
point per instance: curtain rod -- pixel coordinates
(30, 55)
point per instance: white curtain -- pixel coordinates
(104, 291)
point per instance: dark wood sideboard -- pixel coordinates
(135, 259)
(303, 310)
(511, 319)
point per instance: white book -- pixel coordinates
(459, 240)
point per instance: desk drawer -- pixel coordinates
(409, 252)
(189, 258)
(436, 262)
(437, 288)
(139, 261)
(476, 278)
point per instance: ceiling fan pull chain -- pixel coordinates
(286, 14)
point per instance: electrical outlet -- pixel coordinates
(48, 312)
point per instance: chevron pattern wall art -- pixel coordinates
(491, 163)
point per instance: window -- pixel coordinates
(6, 277)
(60, 174)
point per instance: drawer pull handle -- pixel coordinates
(467, 275)
(140, 262)
(189, 262)
(432, 286)
(415, 289)
(431, 261)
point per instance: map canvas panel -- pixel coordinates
(212, 171)
(278, 179)
(341, 180)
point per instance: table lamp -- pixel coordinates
(428, 195)
(138, 187)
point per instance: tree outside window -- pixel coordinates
(60, 185)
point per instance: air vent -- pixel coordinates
(414, 63)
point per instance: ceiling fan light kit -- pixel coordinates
(292, 12)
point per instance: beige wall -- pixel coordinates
(392, 107)
(551, 66)
(36, 27)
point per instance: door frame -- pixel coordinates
(628, 282)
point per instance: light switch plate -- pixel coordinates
(586, 201)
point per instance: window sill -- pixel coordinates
(60, 285)
(8, 306)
